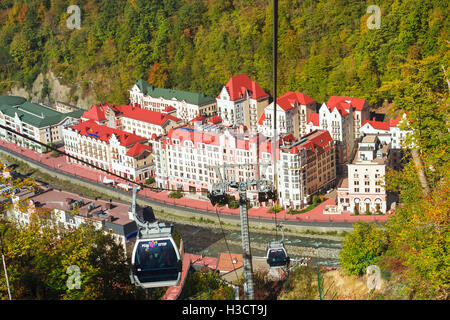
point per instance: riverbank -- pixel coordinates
(176, 211)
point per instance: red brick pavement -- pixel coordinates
(314, 215)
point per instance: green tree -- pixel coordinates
(206, 284)
(362, 248)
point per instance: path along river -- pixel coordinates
(211, 242)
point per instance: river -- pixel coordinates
(211, 242)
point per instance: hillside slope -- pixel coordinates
(325, 47)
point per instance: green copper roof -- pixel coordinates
(34, 114)
(11, 100)
(169, 94)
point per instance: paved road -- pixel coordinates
(167, 206)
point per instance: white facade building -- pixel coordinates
(293, 110)
(362, 191)
(241, 101)
(188, 105)
(123, 153)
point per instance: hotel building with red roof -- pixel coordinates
(338, 120)
(133, 118)
(307, 165)
(361, 112)
(242, 101)
(118, 151)
(293, 109)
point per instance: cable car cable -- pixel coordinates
(226, 243)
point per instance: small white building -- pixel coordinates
(362, 190)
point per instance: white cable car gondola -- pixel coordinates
(158, 253)
(276, 253)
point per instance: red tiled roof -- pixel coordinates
(149, 116)
(316, 139)
(237, 86)
(215, 119)
(357, 103)
(262, 118)
(95, 113)
(198, 118)
(138, 149)
(97, 131)
(314, 118)
(287, 100)
(379, 125)
(226, 261)
(169, 108)
(395, 122)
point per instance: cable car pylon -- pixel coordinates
(218, 195)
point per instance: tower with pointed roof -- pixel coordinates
(242, 101)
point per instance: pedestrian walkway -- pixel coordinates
(315, 215)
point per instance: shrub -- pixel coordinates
(175, 194)
(362, 248)
(55, 154)
(150, 180)
(315, 199)
(275, 209)
(234, 204)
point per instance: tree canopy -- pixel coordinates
(325, 47)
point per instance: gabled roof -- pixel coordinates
(395, 122)
(198, 118)
(101, 132)
(318, 139)
(342, 107)
(95, 113)
(230, 261)
(262, 118)
(215, 119)
(357, 103)
(171, 94)
(379, 125)
(169, 109)
(287, 100)
(138, 149)
(145, 115)
(314, 119)
(238, 85)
